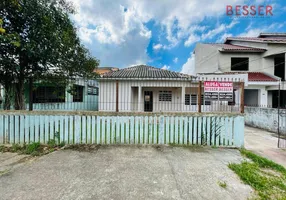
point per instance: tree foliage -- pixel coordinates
(38, 39)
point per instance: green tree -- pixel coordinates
(37, 40)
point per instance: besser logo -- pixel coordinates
(246, 10)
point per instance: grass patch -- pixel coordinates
(222, 184)
(33, 149)
(265, 176)
(263, 162)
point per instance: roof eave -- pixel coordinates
(122, 78)
(249, 40)
(246, 51)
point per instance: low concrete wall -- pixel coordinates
(265, 118)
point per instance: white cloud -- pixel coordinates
(176, 60)
(166, 67)
(219, 29)
(157, 47)
(115, 35)
(254, 32)
(189, 66)
(116, 31)
(191, 40)
(223, 37)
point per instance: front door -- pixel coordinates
(148, 101)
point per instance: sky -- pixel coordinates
(163, 33)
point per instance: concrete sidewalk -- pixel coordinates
(128, 173)
(264, 143)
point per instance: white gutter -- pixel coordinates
(266, 83)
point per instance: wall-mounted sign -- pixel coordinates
(218, 91)
(92, 90)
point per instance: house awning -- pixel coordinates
(259, 78)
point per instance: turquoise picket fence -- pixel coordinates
(212, 130)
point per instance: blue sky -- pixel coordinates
(163, 33)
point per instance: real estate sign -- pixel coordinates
(218, 91)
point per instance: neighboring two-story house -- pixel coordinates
(262, 58)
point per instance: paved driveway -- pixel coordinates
(127, 173)
(264, 143)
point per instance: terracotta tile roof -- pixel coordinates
(259, 76)
(144, 71)
(230, 47)
(258, 39)
(256, 76)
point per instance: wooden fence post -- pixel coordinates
(117, 95)
(242, 97)
(200, 97)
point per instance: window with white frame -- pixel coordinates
(165, 95)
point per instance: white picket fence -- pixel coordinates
(214, 130)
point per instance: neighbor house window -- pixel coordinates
(165, 95)
(279, 67)
(78, 93)
(49, 94)
(187, 99)
(239, 64)
(194, 99)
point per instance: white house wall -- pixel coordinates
(127, 101)
(128, 96)
(255, 62)
(107, 96)
(206, 58)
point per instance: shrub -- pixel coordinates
(16, 148)
(35, 146)
(62, 144)
(2, 148)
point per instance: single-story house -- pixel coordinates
(148, 89)
(79, 94)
